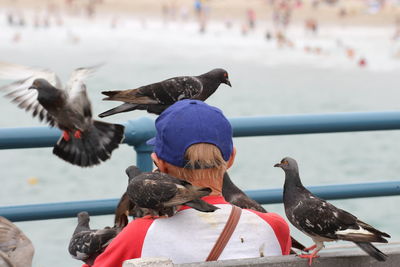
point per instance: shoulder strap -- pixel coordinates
(225, 234)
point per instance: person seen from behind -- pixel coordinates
(194, 142)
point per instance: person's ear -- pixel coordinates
(161, 164)
(232, 158)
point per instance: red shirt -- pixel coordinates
(189, 236)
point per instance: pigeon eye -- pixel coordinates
(285, 162)
(225, 74)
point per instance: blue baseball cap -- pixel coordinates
(189, 122)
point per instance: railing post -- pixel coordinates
(137, 132)
(143, 159)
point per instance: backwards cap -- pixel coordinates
(189, 122)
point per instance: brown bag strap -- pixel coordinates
(225, 234)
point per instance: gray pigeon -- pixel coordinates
(156, 97)
(237, 197)
(158, 194)
(125, 207)
(16, 250)
(321, 220)
(86, 244)
(85, 142)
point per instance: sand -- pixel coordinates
(356, 11)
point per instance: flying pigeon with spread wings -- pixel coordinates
(84, 142)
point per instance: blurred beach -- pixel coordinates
(283, 57)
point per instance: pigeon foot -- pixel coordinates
(66, 136)
(310, 248)
(310, 257)
(78, 134)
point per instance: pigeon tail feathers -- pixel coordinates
(120, 109)
(372, 251)
(95, 145)
(110, 94)
(201, 205)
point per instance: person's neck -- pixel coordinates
(213, 183)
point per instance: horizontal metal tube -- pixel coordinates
(139, 130)
(265, 196)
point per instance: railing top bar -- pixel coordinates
(139, 130)
(265, 196)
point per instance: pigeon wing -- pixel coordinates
(76, 89)
(9, 71)
(151, 193)
(172, 90)
(85, 244)
(18, 91)
(317, 217)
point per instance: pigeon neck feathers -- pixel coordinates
(292, 187)
(292, 179)
(83, 225)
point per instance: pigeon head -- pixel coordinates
(83, 218)
(40, 85)
(221, 75)
(132, 171)
(288, 164)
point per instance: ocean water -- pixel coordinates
(266, 80)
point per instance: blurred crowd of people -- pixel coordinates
(278, 18)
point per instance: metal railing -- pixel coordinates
(138, 131)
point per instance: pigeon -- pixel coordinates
(323, 221)
(84, 142)
(237, 197)
(125, 207)
(159, 194)
(16, 250)
(156, 97)
(86, 244)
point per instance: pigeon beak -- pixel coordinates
(278, 165)
(228, 82)
(32, 87)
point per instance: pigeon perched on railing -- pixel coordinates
(159, 194)
(237, 197)
(156, 97)
(84, 142)
(321, 220)
(16, 250)
(86, 244)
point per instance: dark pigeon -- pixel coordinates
(16, 250)
(237, 197)
(85, 142)
(86, 244)
(321, 220)
(156, 97)
(125, 207)
(159, 194)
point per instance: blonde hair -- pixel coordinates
(204, 161)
